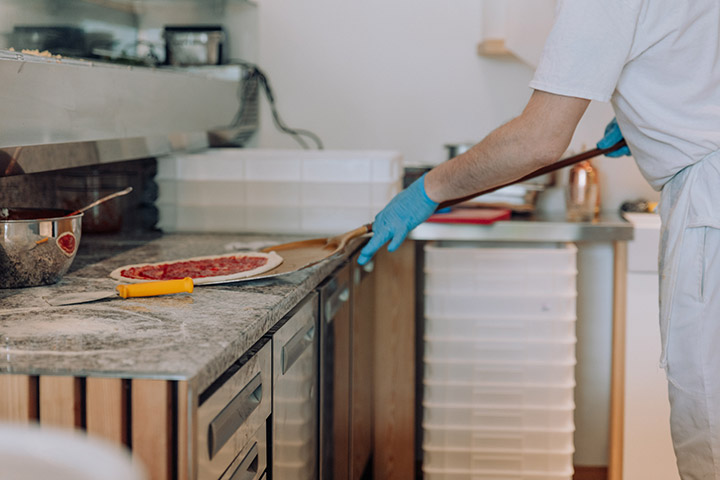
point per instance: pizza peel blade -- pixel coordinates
(305, 253)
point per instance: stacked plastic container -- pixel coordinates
(294, 445)
(276, 191)
(499, 357)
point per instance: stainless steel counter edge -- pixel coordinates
(192, 337)
(536, 228)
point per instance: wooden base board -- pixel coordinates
(590, 473)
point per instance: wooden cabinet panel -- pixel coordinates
(394, 365)
(186, 433)
(151, 413)
(18, 398)
(61, 401)
(106, 409)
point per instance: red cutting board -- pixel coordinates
(478, 216)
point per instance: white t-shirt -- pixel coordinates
(657, 61)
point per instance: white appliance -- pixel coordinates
(647, 447)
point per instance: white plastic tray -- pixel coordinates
(435, 474)
(481, 281)
(504, 439)
(478, 350)
(443, 416)
(522, 328)
(502, 259)
(507, 305)
(498, 461)
(517, 374)
(478, 394)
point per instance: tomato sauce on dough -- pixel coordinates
(211, 267)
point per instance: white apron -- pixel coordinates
(690, 314)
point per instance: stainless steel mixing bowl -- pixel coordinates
(37, 246)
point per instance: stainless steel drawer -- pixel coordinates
(230, 417)
(295, 378)
(252, 462)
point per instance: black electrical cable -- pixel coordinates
(254, 78)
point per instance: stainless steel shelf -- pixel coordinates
(536, 228)
(60, 113)
(137, 6)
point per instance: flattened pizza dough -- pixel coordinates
(203, 270)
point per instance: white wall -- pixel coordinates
(403, 75)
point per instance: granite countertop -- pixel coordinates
(195, 337)
(192, 337)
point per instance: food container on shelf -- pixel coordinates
(190, 45)
(57, 39)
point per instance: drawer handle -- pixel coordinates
(235, 413)
(295, 347)
(335, 302)
(248, 468)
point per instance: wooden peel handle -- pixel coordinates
(542, 171)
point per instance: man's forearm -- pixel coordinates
(536, 138)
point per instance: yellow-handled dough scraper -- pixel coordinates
(147, 289)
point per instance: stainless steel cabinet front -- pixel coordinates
(251, 463)
(230, 417)
(295, 407)
(335, 358)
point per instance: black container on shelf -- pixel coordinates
(192, 45)
(58, 40)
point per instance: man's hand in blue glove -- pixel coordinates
(612, 136)
(406, 211)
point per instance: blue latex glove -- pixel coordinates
(406, 211)
(612, 136)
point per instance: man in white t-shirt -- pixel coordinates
(658, 63)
